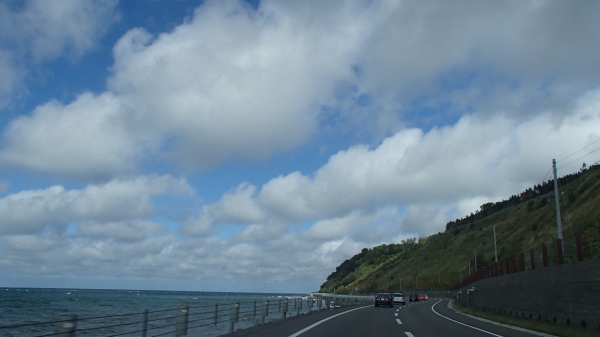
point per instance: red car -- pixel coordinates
(423, 297)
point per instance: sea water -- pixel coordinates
(22, 311)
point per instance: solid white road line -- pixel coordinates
(323, 321)
(450, 319)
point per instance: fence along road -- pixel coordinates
(422, 319)
(205, 320)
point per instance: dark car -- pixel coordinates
(413, 298)
(384, 299)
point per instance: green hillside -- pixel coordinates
(522, 222)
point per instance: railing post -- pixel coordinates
(579, 248)
(522, 261)
(216, 316)
(265, 311)
(532, 258)
(285, 307)
(234, 317)
(560, 251)
(254, 312)
(545, 255)
(65, 325)
(145, 324)
(182, 321)
(299, 307)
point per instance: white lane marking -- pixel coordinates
(396, 314)
(450, 319)
(409, 334)
(323, 321)
(398, 321)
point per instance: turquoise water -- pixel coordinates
(94, 308)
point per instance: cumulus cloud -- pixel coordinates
(81, 140)
(462, 104)
(235, 83)
(33, 32)
(240, 85)
(131, 231)
(483, 55)
(31, 211)
(434, 176)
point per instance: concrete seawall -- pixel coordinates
(567, 294)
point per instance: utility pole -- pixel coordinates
(469, 267)
(495, 249)
(556, 203)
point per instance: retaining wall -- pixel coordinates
(566, 294)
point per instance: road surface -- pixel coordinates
(430, 318)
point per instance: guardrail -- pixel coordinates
(208, 320)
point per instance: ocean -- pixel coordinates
(34, 311)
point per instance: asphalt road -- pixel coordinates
(423, 319)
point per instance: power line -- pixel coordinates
(583, 148)
(587, 154)
(544, 180)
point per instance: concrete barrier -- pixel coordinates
(566, 294)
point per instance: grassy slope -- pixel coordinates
(440, 259)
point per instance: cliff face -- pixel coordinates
(442, 259)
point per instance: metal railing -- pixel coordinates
(580, 247)
(208, 320)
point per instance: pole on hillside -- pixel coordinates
(495, 249)
(556, 202)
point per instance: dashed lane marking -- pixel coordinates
(409, 334)
(398, 321)
(323, 321)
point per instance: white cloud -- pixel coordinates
(83, 140)
(34, 32)
(29, 212)
(487, 56)
(243, 86)
(226, 85)
(437, 176)
(130, 231)
(490, 92)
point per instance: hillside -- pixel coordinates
(441, 260)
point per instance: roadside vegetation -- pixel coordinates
(550, 328)
(441, 260)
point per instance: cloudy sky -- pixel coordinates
(233, 145)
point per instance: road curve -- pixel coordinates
(423, 319)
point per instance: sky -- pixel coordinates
(229, 145)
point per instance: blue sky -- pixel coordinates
(193, 144)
